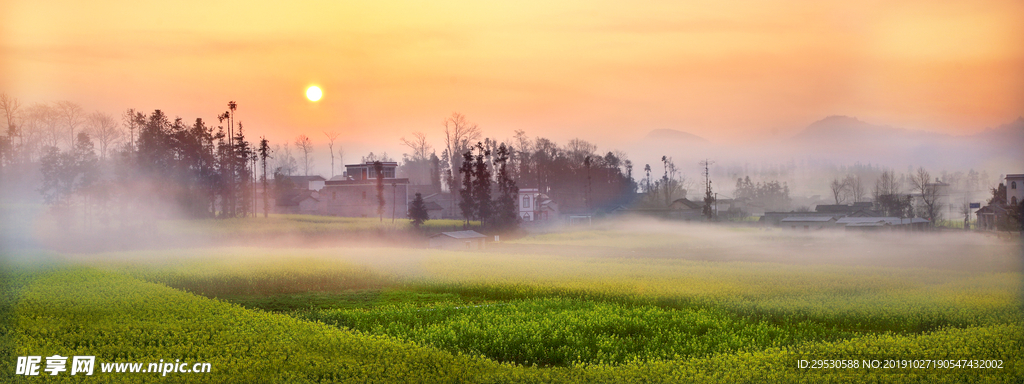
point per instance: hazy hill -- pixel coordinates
(845, 129)
(843, 137)
(662, 135)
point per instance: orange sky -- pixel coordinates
(603, 71)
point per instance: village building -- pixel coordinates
(808, 222)
(882, 223)
(775, 218)
(993, 217)
(458, 240)
(1014, 189)
(356, 194)
(312, 183)
(535, 206)
(434, 210)
(444, 201)
(685, 209)
(997, 215)
(299, 201)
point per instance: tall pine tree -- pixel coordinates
(482, 186)
(418, 211)
(467, 203)
(506, 215)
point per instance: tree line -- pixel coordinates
(150, 164)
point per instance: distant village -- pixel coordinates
(351, 194)
(93, 170)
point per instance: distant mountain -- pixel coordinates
(847, 130)
(844, 137)
(1009, 133)
(673, 135)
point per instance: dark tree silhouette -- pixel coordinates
(418, 211)
(467, 203)
(378, 168)
(264, 153)
(506, 212)
(482, 186)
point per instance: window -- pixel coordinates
(1013, 185)
(526, 201)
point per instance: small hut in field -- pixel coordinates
(458, 240)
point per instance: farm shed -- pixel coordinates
(879, 223)
(457, 240)
(808, 222)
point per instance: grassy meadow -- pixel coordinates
(645, 302)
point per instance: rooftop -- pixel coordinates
(461, 234)
(860, 221)
(816, 219)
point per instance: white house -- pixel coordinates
(536, 206)
(1014, 188)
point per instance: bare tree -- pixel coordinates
(418, 145)
(838, 188)
(578, 150)
(965, 209)
(458, 136)
(71, 116)
(331, 136)
(887, 184)
(284, 162)
(854, 187)
(520, 154)
(132, 120)
(10, 107)
(922, 183)
(887, 195)
(43, 119)
(104, 129)
(306, 146)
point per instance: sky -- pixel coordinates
(607, 72)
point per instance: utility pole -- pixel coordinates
(709, 198)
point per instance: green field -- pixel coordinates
(644, 303)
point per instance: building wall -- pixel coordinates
(1011, 192)
(527, 203)
(308, 206)
(808, 224)
(360, 200)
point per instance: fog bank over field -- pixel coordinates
(614, 238)
(652, 239)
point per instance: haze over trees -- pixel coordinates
(769, 195)
(213, 169)
(121, 173)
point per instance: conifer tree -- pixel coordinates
(418, 211)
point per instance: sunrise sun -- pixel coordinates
(313, 93)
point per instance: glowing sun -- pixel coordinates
(314, 93)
